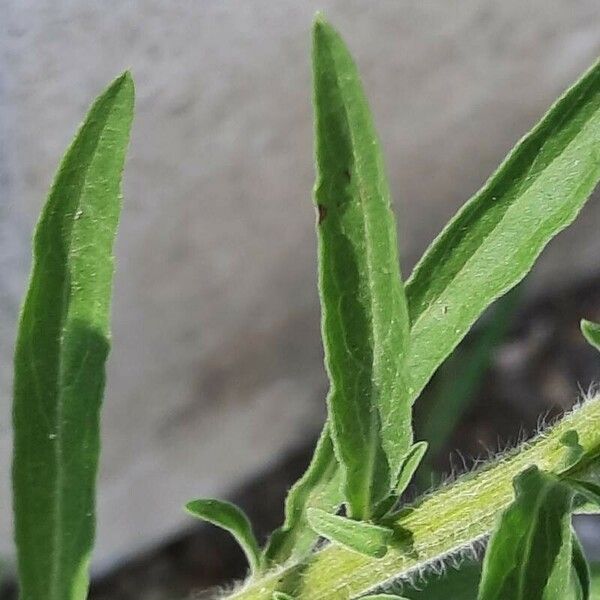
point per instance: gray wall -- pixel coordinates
(216, 368)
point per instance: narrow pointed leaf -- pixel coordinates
(409, 465)
(591, 332)
(365, 317)
(232, 519)
(61, 349)
(493, 241)
(529, 554)
(360, 536)
(319, 487)
(281, 596)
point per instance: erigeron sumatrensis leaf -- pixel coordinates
(360, 536)
(60, 355)
(232, 519)
(364, 311)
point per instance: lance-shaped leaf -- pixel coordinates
(409, 465)
(360, 536)
(529, 555)
(281, 596)
(319, 487)
(232, 519)
(61, 349)
(365, 317)
(493, 241)
(591, 332)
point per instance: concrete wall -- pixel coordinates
(216, 368)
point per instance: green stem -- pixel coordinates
(435, 526)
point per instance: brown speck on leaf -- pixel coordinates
(322, 213)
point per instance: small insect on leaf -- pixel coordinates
(232, 519)
(364, 310)
(530, 552)
(591, 332)
(360, 536)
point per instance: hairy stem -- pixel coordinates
(438, 524)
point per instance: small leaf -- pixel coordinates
(360, 536)
(495, 238)
(591, 332)
(60, 355)
(281, 596)
(575, 453)
(529, 554)
(232, 519)
(581, 569)
(365, 315)
(409, 465)
(319, 487)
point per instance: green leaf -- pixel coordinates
(281, 596)
(409, 465)
(365, 317)
(591, 332)
(360, 536)
(60, 355)
(319, 487)
(575, 450)
(581, 570)
(529, 554)
(232, 519)
(493, 241)
(457, 382)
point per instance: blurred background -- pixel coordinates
(216, 384)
